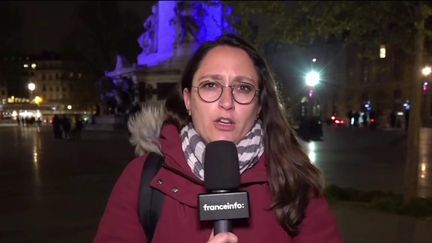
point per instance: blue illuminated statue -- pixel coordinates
(180, 25)
(185, 22)
(171, 33)
(148, 39)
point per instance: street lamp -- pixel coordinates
(312, 78)
(38, 100)
(310, 124)
(425, 101)
(426, 71)
(31, 87)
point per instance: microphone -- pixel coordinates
(222, 180)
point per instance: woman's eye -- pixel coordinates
(245, 88)
(209, 85)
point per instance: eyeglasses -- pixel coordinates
(210, 91)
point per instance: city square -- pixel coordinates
(56, 190)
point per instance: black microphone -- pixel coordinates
(222, 180)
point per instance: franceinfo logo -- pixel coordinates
(217, 206)
(227, 206)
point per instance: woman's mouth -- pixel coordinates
(224, 124)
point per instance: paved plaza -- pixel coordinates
(56, 190)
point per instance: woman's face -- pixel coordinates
(223, 119)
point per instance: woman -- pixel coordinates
(228, 93)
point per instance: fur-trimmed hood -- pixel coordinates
(145, 127)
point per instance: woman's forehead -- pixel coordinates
(225, 61)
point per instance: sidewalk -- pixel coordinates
(364, 225)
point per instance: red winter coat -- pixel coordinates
(180, 222)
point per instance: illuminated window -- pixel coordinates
(382, 51)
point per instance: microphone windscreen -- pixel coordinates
(221, 166)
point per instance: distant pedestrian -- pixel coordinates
(364, 119)
(350, 117)
(392, 119)
(56, 124)
(78, 127)
(407, 115)
(66, 125)
(39, 122)
(356, 117)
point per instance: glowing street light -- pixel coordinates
(38, 100)
(426, 70)
(312, 78)
(31, 86)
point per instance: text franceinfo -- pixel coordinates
(226, 206)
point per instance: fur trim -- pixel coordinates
(145, 127)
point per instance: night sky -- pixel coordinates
(47, 22)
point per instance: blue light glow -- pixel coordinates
(425, 87)
(211, 17)
(368, 106)
(407, 105)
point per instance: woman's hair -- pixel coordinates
(292, 178)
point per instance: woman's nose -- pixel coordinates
(226, 100)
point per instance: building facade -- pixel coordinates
(58, 81)
(47, 83)
(381, 86)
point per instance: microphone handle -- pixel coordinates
(223, 225)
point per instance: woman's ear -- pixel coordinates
(186, 98)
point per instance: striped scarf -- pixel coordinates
(249, 149)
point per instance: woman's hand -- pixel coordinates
(224, 237)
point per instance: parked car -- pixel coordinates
(338, 121)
